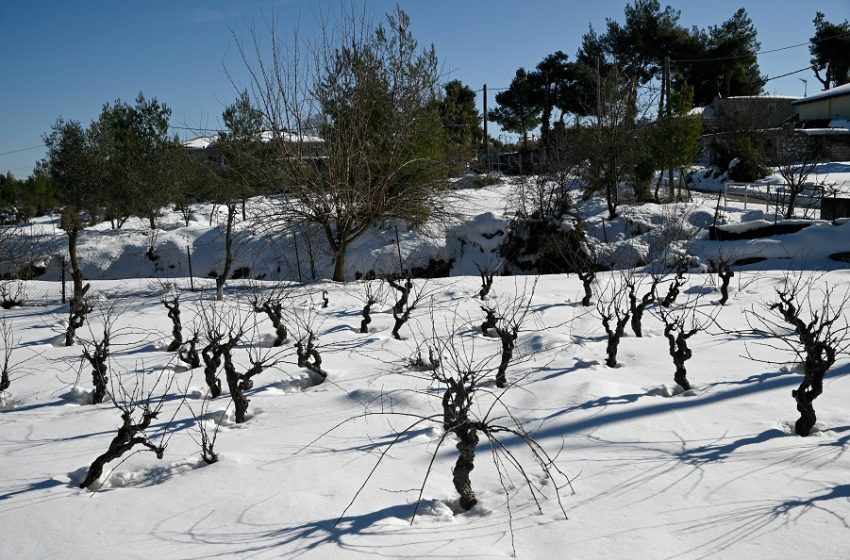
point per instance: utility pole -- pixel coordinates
(599, 91)
(486, 137)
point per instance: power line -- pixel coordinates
(23, 150)
(789, 73)
(734, 57)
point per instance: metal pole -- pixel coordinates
(297, 256)
(191, 276)
(398, 248)
(62, 264)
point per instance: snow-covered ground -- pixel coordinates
(713, 472)
(472, 238)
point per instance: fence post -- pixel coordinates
(191, 276)
(62, 264)
(297, 256)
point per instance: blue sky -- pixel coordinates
(63, 58)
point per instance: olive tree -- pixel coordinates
(75, 164)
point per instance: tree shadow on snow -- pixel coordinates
(759, 518)
(766, 382)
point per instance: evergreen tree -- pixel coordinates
(830, 50)
(673, 140)
(136, 146)
(554, 80)
(238, 170)
(461, 122)
(722, 60)
(519, 107)
(648, 35)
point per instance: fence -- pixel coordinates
(774, 197)
(123, 262)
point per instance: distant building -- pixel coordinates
(204, 148)
(825, 106)
(745, 113)
(826, 116)
(762, 115)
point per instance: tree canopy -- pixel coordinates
(830, 50)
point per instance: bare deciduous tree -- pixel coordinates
(374, 293)
(7, 337)
(815, 332)
(468, 420)
(614, 306)
(138, 410)
(511, 316)
(370, 96)
(222, 329)
(188, 352)
(172, 304)
(272, 305)
(97, 353)
(239, 383)
(723, 264)
(638, 305)
(676, 283)
(797, 156)
(681, 322)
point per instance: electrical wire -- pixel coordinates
(22, 150)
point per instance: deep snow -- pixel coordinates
(714, 472)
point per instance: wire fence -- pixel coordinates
(125, 263)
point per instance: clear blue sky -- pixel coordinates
(67, 58)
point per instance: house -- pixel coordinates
(826, 117)
(745, 113)
(825, 106)
(726, 117)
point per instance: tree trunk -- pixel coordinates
(725, 276)
(228, 253)
(467, 441)
(367, 317)
(681, 375)
(339, 265)
(77, 305)
(805, 394)
(508, 342)
(792, 200)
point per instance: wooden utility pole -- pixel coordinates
(669, 110)
(486, 136)
(599, 91)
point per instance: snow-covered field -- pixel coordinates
(713, 472)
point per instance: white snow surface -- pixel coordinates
(713, 472)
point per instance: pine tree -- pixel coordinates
(830, 50)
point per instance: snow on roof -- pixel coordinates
(201, 142)
(765, 97)
(707, 112)
(204, 142)
(834, 92)
(825, 131)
